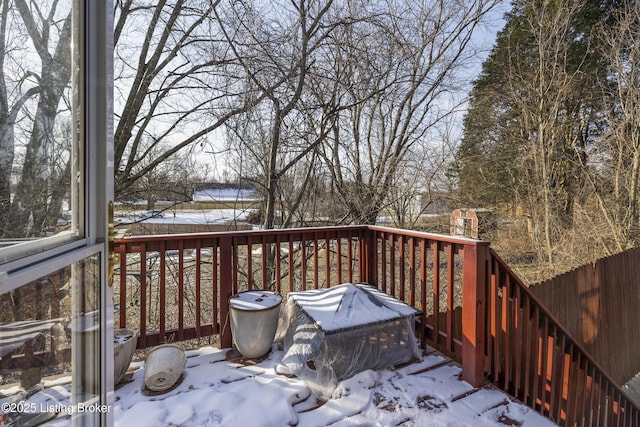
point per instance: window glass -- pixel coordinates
(38, 137)
(49, 348)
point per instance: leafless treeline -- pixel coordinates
(332, 109)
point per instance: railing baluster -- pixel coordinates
(123, 284)
(315, 260)
(327, 260)
(401, 265)
(392, 263)
(574, 391)
(423, 292)
(435, 292)
(197, 286)
(226, 288)
(507, 331)
(592, 398)
(493, 340)
(250, 284)
(234, 266)
(291, 266)
(600, 400)
(563, 388)
(181, 290)
(531, 351)
(350, 258)
(451, 267)
(383, 261)
(412, 271)
(278, 272)
(303, 264)
(556, 375)
(214, 288)
(517, 343)
(143, 295)
(162, 290)
(265, 264)
(339, 258)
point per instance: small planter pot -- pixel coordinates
(254, 320)
(124, 346)
(163, 366)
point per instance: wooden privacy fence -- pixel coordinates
(598, 304)
(176, 287)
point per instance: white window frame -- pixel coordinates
(48, 255)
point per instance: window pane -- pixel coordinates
(37, 133)
(49, 347)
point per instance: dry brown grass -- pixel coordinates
(589, 240)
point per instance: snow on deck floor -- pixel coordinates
(220, 390)
(216, 391)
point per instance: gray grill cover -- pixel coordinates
(331, 334)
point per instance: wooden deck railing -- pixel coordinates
(176, 287)
(533, 357)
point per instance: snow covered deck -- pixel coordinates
(220, 388)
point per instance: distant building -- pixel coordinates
(224, 193)
(212, 194)
(472, 223)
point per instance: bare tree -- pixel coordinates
(275, 45)
(614, 170)
(171, 90)
(422, 184)
(172, 180)
(35, 96)
(395, 69)
(554, 123)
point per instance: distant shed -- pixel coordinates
(472, 222)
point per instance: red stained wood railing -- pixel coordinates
(532, 356)
(176, 287)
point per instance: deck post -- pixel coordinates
(474, 290)
(367, 256)
(226, 281)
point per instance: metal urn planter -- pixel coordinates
(124, 346)
(254, 320)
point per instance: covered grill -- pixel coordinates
(332, 334)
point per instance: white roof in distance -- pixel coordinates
(225, 195)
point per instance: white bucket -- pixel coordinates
(124, 346)
(254, 320)
(163, 366)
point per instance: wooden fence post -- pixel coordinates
(226, 283)
(474, 289)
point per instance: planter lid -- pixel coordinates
(255, 300)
